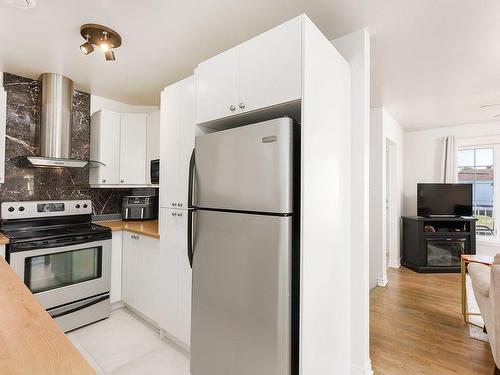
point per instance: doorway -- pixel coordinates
(392, 208)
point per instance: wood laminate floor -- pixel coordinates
(416, 328)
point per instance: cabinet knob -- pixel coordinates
(179, 204)
(122, 181)
(232, 108)
(179, 214)
(174, 213)
(242, 105)
(103, 180)
(174, 204)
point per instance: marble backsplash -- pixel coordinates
(23, 122)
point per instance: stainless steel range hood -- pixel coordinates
(55, 127)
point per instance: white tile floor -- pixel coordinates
(125, 344)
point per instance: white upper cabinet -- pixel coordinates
(119, 140)
(271, 67)
(262, 72)
(133, 149)
(105, 147)
(217, 87)
(177, 132)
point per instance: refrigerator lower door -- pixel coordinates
(247, 168)
(241, 312)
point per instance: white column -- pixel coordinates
(355, 47)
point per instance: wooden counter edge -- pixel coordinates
(147, 228)
(32, 342)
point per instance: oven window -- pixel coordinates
(53, 271)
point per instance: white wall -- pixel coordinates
(422, 159)
(98, 102)
(355, 48)
(383, 127)
(422, 156)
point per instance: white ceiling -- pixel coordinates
(434, 62)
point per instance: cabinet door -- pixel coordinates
(116, 267)
(169, 150)
(186, 140)
(177, 142)
(184, 284)
(129, 270)
(147, 278)
(169, 277)
(271, 67)
(105, 147)
(217, 86)
(133, 149)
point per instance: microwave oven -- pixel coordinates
(155, 171)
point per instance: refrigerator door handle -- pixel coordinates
(191, 179)
(190, 236)
(191, 210)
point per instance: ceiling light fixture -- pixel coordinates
(21, 4)
(103, 37)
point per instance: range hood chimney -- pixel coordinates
(56, 123)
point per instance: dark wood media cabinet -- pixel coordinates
(432, 244)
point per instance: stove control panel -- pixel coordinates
(34, 209)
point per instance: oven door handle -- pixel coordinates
(56, 312)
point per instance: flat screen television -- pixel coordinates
(444, 199)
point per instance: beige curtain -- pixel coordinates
(449, 171)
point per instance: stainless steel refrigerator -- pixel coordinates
(241, 244)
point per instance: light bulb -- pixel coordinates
(104, 46)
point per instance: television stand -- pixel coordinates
(435, 244)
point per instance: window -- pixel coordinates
(476, 166)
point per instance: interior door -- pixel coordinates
(217, 86)
(241, 312)
(133, 149)
(271, 67)
(247, 168)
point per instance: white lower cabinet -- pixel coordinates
(116, 267)
(2, 251)
(140, 273)
(175, 278)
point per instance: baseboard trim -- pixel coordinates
(382, 281)
(362, 370)
(394, 264)
(117, 305)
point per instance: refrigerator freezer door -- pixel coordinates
(241, 294)
(247, 168)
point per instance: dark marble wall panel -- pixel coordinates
(23, 123)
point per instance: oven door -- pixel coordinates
(62, 275)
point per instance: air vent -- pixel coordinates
(21, 4)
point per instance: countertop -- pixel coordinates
(3, 239)
(145, 227)
(31, 342)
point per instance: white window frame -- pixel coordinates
(488, 142)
